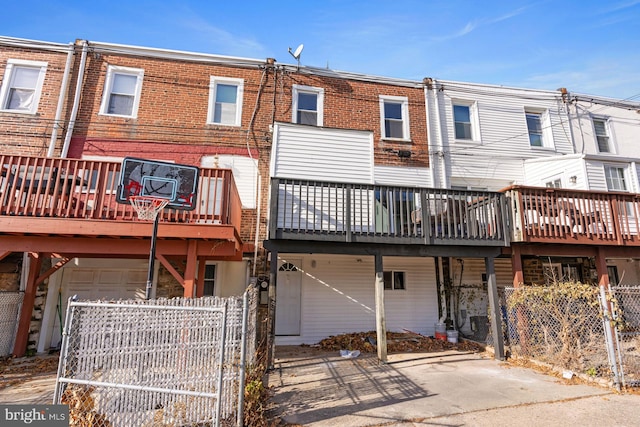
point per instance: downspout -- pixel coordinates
(428, 85)
(76, 100)
(64, 87)
(444, 181)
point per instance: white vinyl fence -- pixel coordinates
(158, 362)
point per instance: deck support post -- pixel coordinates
(24, 324)
(381, 327)
(496, 312)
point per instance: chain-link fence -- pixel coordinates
(575, 327)
(560, 325)
(10, 303)
(627, 320)
(157, 363)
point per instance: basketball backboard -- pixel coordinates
(175, 182)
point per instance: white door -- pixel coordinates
(211, 199)
(97, 284)
(288, 298)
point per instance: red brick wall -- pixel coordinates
(30, 134)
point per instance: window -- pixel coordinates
(209, 280)
(394, 280)
(615, 178)
(122, 90)
(534, 126)
(308, 104)
(225, 101)
(394, 112)
(22, 86)
(553, 183)
(602, 136)
(462, 121)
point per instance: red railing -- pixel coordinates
(574, 216)
(74, 188)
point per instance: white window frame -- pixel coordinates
(392, 286)
(318, 91)
(8, 80)
(112, 71)
(608, 135)
(545, 128)
(404, 101)
(625, 177)
(473, 117)
(213, 85)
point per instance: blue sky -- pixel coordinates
(590, 47)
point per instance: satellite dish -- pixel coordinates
(296, 53)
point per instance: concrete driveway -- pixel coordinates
(319, 388)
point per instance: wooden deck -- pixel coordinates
(51, 204)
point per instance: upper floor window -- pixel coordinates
(122, 90)
(534, 126)
(394, 113)
(308, 105)
(615, 178)
(465, 120)
(602, 135)
(22, 86)
(225, 101)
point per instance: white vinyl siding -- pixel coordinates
(402, 176)
(245, 175)
(22, 86)
(322, 154)
(338, 296)
(122, 89)
(503, 132)
(225, 101)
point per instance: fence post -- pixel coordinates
(606, 323)
(243, 357)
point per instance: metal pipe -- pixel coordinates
(64, 87)
(606, 323)
(76, 100)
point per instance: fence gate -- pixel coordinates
(626, 318)
(10, 303)
(148, 363)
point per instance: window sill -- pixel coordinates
(467, 141)
(229, 125)
(551, 149)
(29, 113)
(122, 116)
(406, 141)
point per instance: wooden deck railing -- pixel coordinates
(315, 210)
(556, 215)
(74, 188)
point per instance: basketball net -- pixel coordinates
(148, 207)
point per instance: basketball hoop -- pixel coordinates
(148, 207)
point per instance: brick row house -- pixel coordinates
(357, 202)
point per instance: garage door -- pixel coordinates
(95, 284)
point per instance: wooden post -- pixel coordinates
(190, 269)
(24, 324)
(494, 304)
(381, 327)
(518, 281)
(202, 265)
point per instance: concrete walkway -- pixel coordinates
(318, 388)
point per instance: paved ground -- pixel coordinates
(316, 388)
